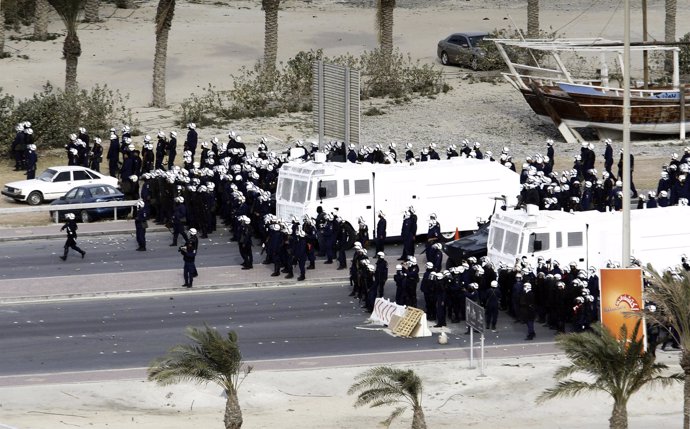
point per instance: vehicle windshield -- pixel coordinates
(474, 40)
(47, 176)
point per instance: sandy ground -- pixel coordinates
(209, 42)
(454, 396)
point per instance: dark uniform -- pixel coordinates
(189, 269)
(380, 233)
(141, 223)
(71, 227)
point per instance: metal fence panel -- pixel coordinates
(335, 97)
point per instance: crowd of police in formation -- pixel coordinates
(224, 182)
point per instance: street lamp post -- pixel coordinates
(626, 136)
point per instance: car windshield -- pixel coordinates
(474, 40)
(47, 176)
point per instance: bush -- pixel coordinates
(492, 59)
(684, 56)
(54, 114)
(258, 92)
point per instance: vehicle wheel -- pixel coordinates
(35, 198)
(85, 216)
(449, 236)
(444, 59)
(474, 64)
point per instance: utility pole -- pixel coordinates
(626, 136)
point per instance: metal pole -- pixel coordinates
(321, 104)
(471, 347)
(481, 362)
(347, 106)
(645, 53)
(626, 136)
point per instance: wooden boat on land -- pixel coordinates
(570, 102)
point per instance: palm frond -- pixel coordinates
(394, 415)
(210, 358)
(68, 10)
(387, 386)
(566, 388)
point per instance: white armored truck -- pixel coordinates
(458, 191)
(658, 236)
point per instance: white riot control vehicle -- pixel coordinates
(658, 236)
(458, 191)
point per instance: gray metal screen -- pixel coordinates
(335, 100)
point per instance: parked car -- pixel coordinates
(91, 194)
(462, 49)
(53, 183)
(470, 245)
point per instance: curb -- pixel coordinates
(333, 281)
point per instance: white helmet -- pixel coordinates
(192, 231)
(69, 216)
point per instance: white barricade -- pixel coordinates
(384, 309)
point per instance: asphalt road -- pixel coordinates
(110, 254)
(272, 323)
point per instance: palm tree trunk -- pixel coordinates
(532, 19)
(125, 4)
(270, 33)
(386, 9)
(91, 11)
(685, 364)
(2, 31)
(619, 416)
(670, 32)
(233, 412)
(41, 20)
(71, 50)
(164, 16)
(418, 421)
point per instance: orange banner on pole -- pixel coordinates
(621, 293)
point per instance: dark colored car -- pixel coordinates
(464, 247)
(462, 49)
(91, 194)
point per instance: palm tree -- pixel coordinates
(618, 366)
(41, 20)
(71, 49)
(670, 292)
(384, 385)
(125, 4)
(2, 30)
(384, 26)
(164, 17)
(270, 33)
(670, 32)
(212, 358)
(532, 19)
(91, 10)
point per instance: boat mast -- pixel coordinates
(625, 262)
(645, 53)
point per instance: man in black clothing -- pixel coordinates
(189, 269)
(71, 227)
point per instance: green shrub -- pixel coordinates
(54, 114)
(288, 88)
(492, 60)
(684, 56)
